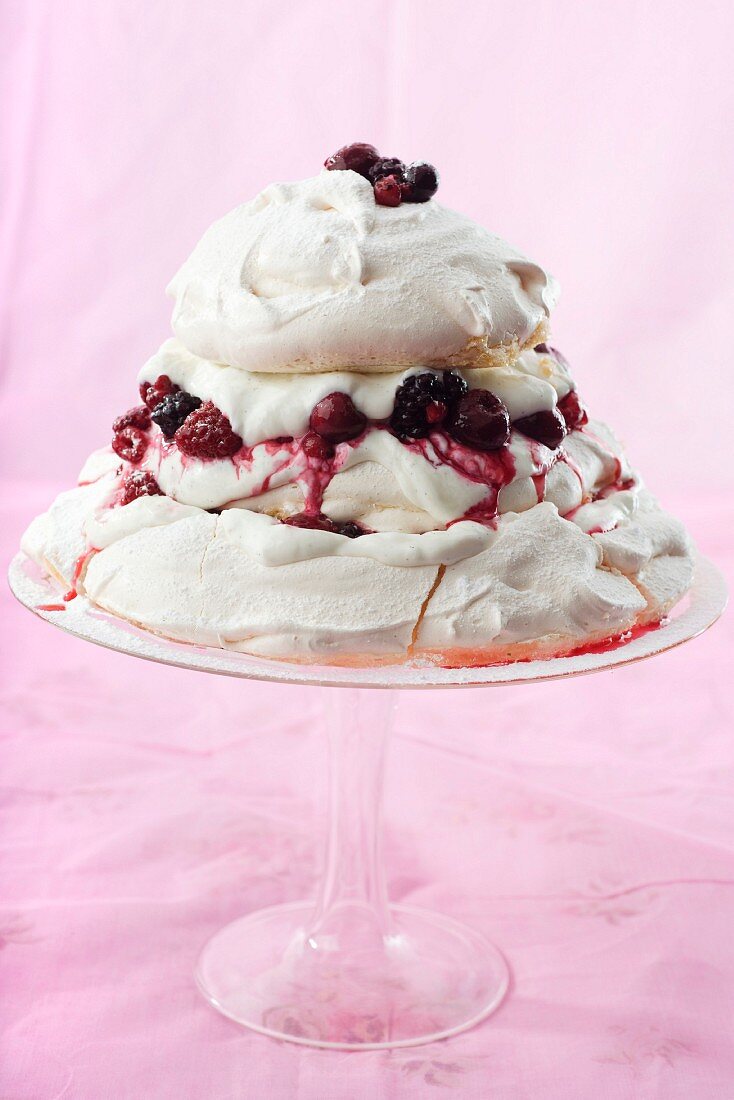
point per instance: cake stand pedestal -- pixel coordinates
(350, 971)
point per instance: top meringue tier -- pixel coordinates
(315, 276)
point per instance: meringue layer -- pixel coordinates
(297, 280)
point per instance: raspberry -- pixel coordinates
(336, 418)
(547, 427)
(139, 483)
(139, 417)
(171, 412)
(480, 420)
(422, 402)
(388, 191)
(421, 182)
(152, 393)
(207, 433)
(309, 522)
(573, 411)
(387, 166)
(313, 446)
(357, 157)
(130, 443)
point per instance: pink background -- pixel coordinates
(586, 826)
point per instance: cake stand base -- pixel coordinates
(426, 978)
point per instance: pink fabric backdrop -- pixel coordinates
(586, 826)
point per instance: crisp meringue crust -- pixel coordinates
(302, 277)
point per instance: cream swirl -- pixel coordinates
(314, 276)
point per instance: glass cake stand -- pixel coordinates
(350, 971)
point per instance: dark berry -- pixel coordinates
(542, 349)
(139, 417)
(388, 191)
(350, 529)
(309, 521)
(313, 446)
(336, 418)
(420, 182)
(130, 444)
(421, 403)
(152, 393)
(480, 420)
(547, 427)
(171, 412)
(357, 157)
(139, 483)
(207, 433)
(560, 358)
(387, 166)
(454, 386)
(573, 411)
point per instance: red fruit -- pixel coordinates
(357, 157)
(388, 191)
(547, 427)
(139, 483)
(130, 444)
(573, 411)
(480, 420)
(421, 182)
(336, 418)
(152, 393)
(139, 417)
(310, 522)
(207, 433)
(313, 446)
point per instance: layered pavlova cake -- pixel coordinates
(359, 445)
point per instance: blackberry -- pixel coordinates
(170, 414)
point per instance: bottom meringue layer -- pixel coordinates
(536, 585)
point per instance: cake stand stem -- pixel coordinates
(353, 973)
(353, 895)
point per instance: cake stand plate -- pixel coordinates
(350, 971)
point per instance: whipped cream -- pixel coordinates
(314, 275)
(267, 406)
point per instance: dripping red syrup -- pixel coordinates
(51, 607)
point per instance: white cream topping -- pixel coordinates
(314, 275)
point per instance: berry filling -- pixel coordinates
(573, 411)
(170, 414)
(139, 483)
(393, 182)
(310, 521)
(207, 433)
(313, 446)
(337, 419)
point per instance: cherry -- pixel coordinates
(421, 182)
(357, 157)
(313, 446)
(547, 427)
(573, 411)
(336, 418)
(480, 420)
(388, 191)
